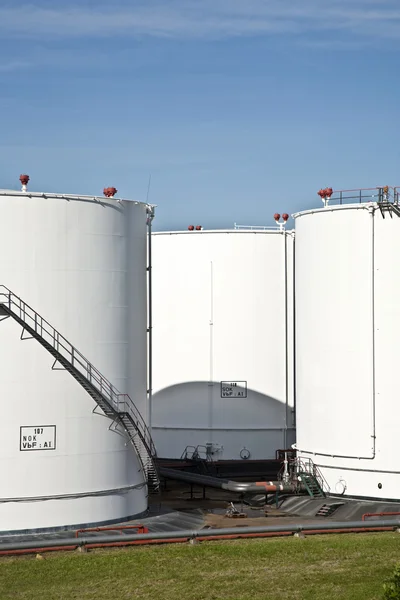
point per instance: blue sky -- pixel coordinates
(237, 108)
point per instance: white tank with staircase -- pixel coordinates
(222, 343)
(66, 450)
(347, 338)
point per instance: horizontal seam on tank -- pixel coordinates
(356, 469)
(167, 427)
(122, 490)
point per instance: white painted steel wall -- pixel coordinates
(222, 311)
(347, 335)
(81, 264)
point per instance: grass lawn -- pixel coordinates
(351, 566)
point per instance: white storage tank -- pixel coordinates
(80, 262)
(223, 342)
(347, 339)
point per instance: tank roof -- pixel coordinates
(238, 231)
(331, 208)
(100, 199)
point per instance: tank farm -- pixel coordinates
(154, 379)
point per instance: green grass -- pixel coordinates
(351, 566)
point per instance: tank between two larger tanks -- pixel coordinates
(347, 340)
(222, 343)
(81, 263)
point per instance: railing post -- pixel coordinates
(72, 355)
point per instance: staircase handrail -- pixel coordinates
(306, 465)
(194, 453)
(35, 321)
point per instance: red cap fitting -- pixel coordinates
(198, 228)
(110, 192)
(285, 217)
(24, 179)
(326, 193)
(277, 216)
(191, 227)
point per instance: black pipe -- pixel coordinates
(259, 487)
(190, 534)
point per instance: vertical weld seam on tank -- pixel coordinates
(286, 342)
(372, 213)
(294, 331)
(211, 373)
(150, 332)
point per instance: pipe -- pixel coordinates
(236, 536)
(381, 514)
(202, 534)
(255, 487)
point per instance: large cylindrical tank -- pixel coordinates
(347, 333)
(222, 343)
(80, 262)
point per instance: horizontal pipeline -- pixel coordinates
(256, 487)
(200, 534)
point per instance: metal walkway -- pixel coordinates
(118, 407)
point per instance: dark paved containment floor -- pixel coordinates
(180, 507)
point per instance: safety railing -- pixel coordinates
(120, 403)
(358, 196)
(306, 465)
(256, 227)
(199, 452)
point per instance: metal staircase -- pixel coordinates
(118, 407)
(388, 201)
(311, 477)
(311, 484)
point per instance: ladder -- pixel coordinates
(116, 406)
